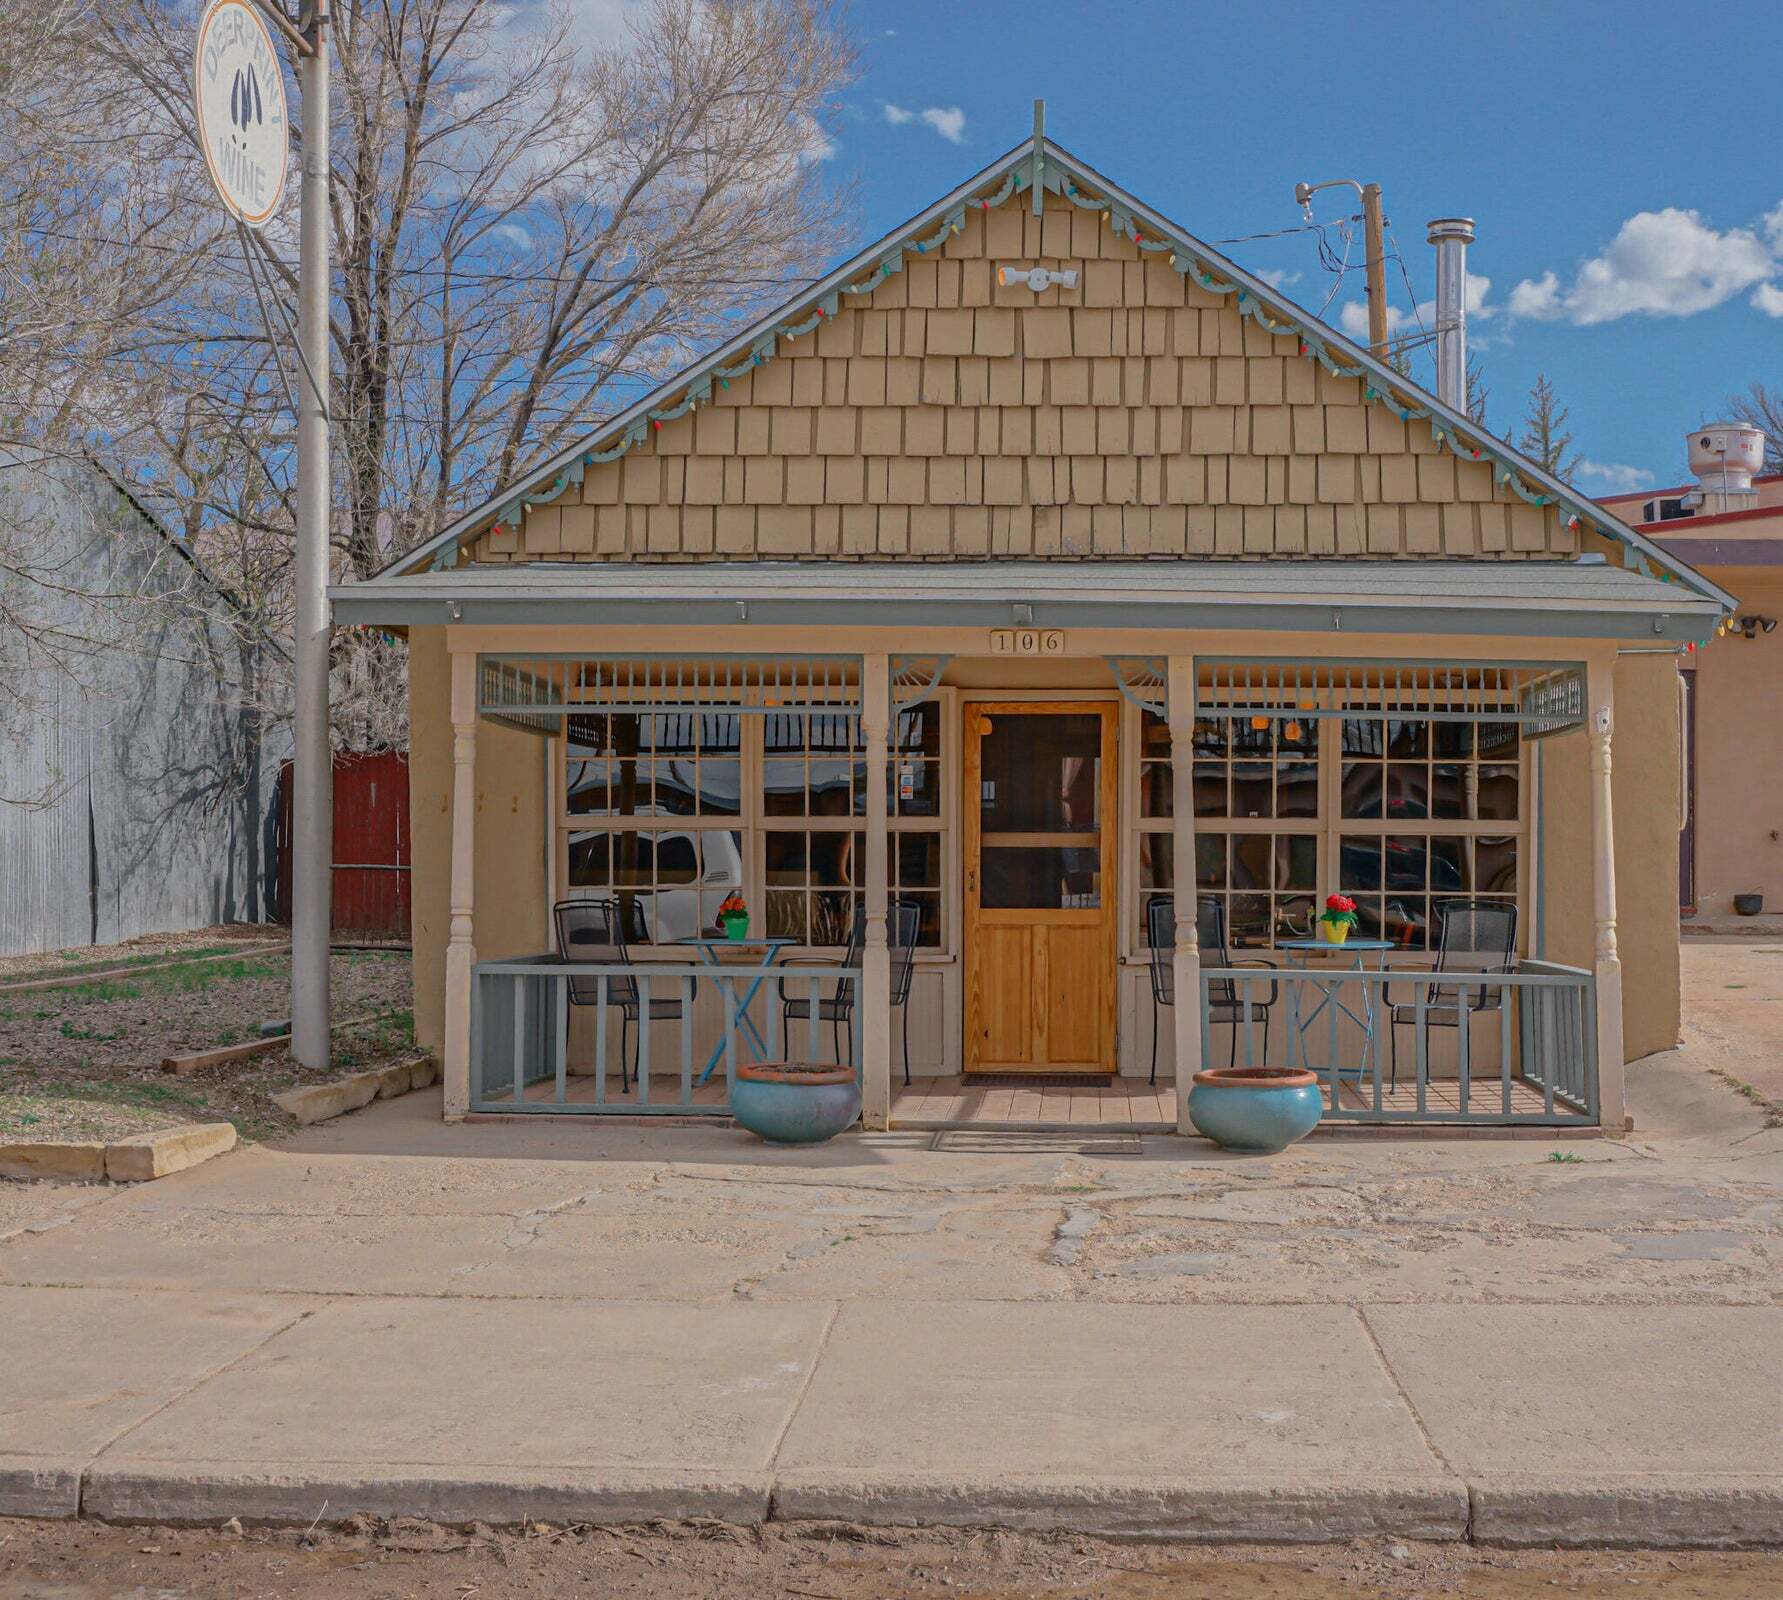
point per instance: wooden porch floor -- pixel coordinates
(1128, 1103)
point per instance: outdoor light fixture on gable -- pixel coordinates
(1749, 627)
(1036, 278)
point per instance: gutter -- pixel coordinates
(387, 605)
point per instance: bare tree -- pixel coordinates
(1477, 394)
(1762, 407)
(532, 223)
(1544, 438)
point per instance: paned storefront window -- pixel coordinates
(773, 804)
(1400, 813)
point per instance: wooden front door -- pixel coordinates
(1040, 886)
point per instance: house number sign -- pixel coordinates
(1027, 641)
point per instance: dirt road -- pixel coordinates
(369, 1561)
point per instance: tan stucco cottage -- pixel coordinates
(1035, 621)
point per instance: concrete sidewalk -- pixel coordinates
(1233, 1422)
(565, 1322)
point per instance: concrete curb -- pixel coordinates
(39, 1486)
(1635, 1512)
(1699, 1511)
(1272, 1511)
(199, 1493)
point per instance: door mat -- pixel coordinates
(992, 1142)
(1038, 1080)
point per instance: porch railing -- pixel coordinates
(535, 1047)
(1415, 1046)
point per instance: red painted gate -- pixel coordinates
(371, 846)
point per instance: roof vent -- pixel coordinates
(1724, 455)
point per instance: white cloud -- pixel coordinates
(1769, 299)
(1279, 277)
(1666, 263)
(1539, 299)
(1615, 477)
(1353, 318)
(948, 121)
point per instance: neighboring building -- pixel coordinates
(135, 792)
(1038, 567)
(1729, 526)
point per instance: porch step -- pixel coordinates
(1059, 1141)
(1082, 1130)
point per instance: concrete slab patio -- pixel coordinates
(572, 1323)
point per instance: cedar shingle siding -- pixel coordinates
(945, 417)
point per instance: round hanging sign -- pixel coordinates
(239, 93)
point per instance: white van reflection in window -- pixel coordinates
(669, 884)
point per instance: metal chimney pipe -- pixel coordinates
(1451, 236)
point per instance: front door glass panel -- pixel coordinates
(1040, 812)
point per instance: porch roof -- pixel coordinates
(1574, 599)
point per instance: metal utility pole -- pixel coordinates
(312, 771)
(244, 134)
(1375, 251)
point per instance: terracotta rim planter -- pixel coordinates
(1257, 1078)
(1256, 1110)
(791, 1072)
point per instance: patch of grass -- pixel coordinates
(72, 964)
(141, 1095)
(175, 980)
(102, 989)
(1773, 1111)
(69, 1031)
(1564, 1158)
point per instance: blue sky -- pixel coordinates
(1606, 143)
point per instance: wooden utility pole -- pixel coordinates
(1373, 228)
(1376, 260)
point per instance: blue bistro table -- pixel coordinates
(1331, 989)
(711, 948)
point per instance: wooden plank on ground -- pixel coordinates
(184, 1065)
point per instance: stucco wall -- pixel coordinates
(943, 416)
(1739, 756)
(512, 898)
(1644, 799)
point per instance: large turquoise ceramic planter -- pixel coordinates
(788, 1104)
(1256, 1109)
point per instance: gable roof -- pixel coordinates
(1022, 176)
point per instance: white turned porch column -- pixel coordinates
(1600, 686)
(1185, 961)
(461, 953)
(876, 1017)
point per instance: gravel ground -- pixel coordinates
(713, 1561)
(84, 1062)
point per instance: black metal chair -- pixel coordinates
(1224, 1003)
(903, 924)
(1476, 936)
(594, 930)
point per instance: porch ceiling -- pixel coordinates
(1575, 599)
